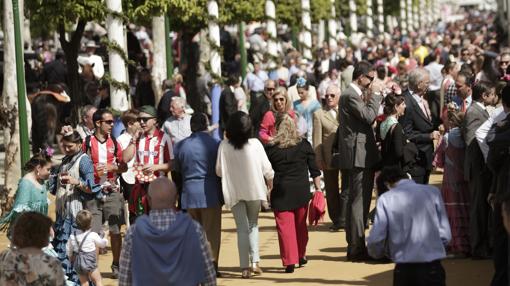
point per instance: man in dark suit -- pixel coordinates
(359, 105)
(498, 161)
(228, 103)
(260, 105)
(474, 169)
(418, 125)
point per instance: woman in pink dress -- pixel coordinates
(450, 156)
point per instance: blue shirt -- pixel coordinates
(195, 158)
(255, 82)
(411, 225)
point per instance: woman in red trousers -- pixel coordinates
(292, 157)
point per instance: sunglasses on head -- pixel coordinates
(144, 119)
(110, 122)
(329, 95)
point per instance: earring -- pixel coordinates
(37, 174)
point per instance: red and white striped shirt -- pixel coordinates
(103, 153)
(154, 149)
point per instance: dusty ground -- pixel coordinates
(326, 255)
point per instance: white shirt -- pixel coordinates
(243, 171)
(97, 61)
(356, 88)
(481, 133)
(89, 245)
(129, 175)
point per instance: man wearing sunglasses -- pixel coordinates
(325, 124)
(106, 155)
(152, 150)
(359, 106)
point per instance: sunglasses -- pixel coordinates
(504, 63)
(329, 96)
(109, 122)
(371, 78)
(270, 89)
(278, 99)
(144, 119)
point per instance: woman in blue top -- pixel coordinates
(72, 183)
(31, 194)
(306, 105)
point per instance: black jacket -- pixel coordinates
(228, 106)
(417, 128)
(291, 188)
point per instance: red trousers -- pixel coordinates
(292, 234)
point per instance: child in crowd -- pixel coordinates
(81, 247)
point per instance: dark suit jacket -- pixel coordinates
(473, 162)
(228, 106)
(355, 136)
(260, 105)
(417, 128)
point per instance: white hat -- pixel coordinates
(91, 44)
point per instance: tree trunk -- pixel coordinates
(117, 67)
(189, 67)
(71, 49)
(9, 112)
(159, 63)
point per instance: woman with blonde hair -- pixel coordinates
(292, 157)
(280, 105)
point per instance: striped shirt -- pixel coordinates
(103, 153)
(154, 149)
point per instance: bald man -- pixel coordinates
(325, 124)
(165, 247)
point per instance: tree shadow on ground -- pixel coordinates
(379, 279)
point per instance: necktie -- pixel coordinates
(425, 108)
(464, 106)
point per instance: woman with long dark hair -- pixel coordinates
(72, 184)
(31, 194)
(246, 176)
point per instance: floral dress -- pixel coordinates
(34, 269)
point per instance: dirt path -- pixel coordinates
(327, 261)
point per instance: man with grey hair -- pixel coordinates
(178, 125)
(260, 105)
(418, 125)
(86, 125)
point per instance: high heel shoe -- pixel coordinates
(289, 269)
(246, 274)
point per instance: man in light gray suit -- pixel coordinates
(474, 169)
(359, 105)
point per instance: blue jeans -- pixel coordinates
(246, 215)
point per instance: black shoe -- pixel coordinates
(362, 257)
(335, 227)
(289, 269)
(302, 261)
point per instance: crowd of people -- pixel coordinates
(378, 114)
